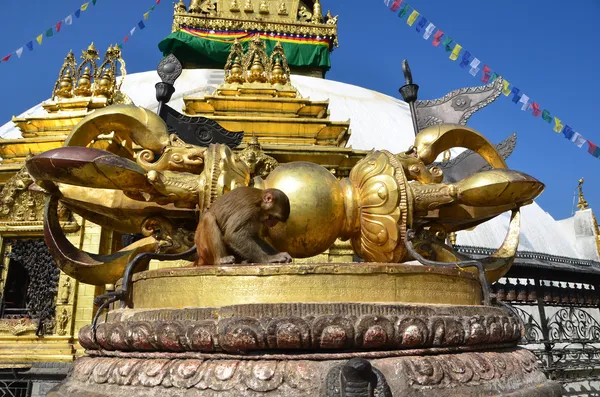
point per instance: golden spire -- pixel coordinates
(279, 70)
(63, 88)
(581, 203)
(317, 16)
(255, 61)
(86, 70)
(180, 7)
(234, 72)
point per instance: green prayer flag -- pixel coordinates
(49, 32)
(152, 8)
(447, 44)
(120, 46)
(94, 2)
(494, 77)
(403, 11)
(546, 116)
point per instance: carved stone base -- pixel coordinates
(510, 372)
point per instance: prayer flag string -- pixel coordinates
(469, 62)
(59, 27)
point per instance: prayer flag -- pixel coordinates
(120, 46)
(486, 74)
(125, 39)
(19, 52)
(546, 116)
(141, 24)
(494, 77)
(49, 32)
(403, 11)
(578, 140)
(568, 132)
(152, 8)
(412, 18)
(593, 149)
(505, 89)
(77, 13)
(30, 46)
(94, 2)
(474, 67)
(428, 31)
(84, 6)
(515, 91)
(536, 109)
(455, 52)
(58, 25)
(69, 20)
(146, 15)
(39, 39)
(157, 1)
(395, 5)
(421, 24)
(437, 37)
(525, 101)
(6, 58)
(447, 42)
(465, 59)
(557, 125)
(131, 31)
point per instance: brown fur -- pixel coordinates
(230, 230)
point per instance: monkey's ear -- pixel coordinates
(268, 197)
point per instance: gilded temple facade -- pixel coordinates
(267, 82)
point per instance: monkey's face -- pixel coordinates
(275, 207)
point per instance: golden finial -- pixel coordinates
(180, 7)
(255, 61)
(263, 8)
(317, 16)
(84, 84)
(63, 88)
(248, 7)
(279, 70)
(282, 10)
(234, 72)
(581, 203)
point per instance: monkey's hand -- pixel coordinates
(227, 260)
(282, 257)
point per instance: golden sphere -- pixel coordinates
(316, 208)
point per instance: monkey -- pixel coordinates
(230, 230)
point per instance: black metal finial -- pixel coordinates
(169, 69)
(409, 93)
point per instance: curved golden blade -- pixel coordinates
(140, 125)
(83, 266)
(436, 139)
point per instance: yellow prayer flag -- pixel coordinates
(85, 6)
(39, 39)
(412, 18)
(557, 125)
(455, 52)
(505, 89)
(146, 15)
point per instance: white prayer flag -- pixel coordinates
(19, 52)
(525, 101)
(69, 20)
(428, 31)
(387, 2)
(131, 31)
(474, 67)
(578, 140)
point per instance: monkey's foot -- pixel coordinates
(282, 257)
(227, 260)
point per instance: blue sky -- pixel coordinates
(546, 48)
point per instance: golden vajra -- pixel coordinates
(160, 189)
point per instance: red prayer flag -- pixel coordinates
(395, 5)
(125, 39)
(485, 77)
(157, 1)
(437, 37)
(58, 26)
(593, 149)
(536, 109)
(6, 57)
